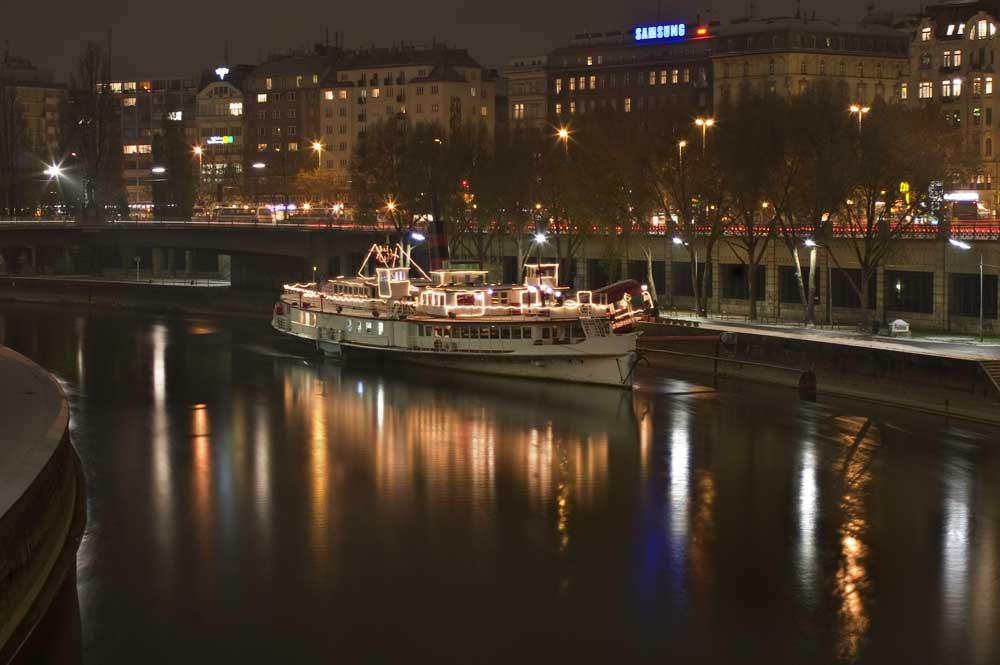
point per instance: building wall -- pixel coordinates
(359, 98)
(788, 56)
(527, 93)
(939, 60)
(220, 116)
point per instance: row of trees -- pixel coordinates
(770, 170)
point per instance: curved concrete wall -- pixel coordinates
(42, 503)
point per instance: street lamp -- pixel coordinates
(860, 111)
(417, 236)
(954, 242)
(159, 169)
(314, 275)
(705, 124)
(318, 147)
(680, 153)
(678, 240)
(53, 171)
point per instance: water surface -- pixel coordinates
(251, 503)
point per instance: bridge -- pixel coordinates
(252, 255)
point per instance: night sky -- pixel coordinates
(178, 37)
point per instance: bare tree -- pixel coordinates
(12, 139)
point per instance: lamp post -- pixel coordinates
(563, 136)
(199, 152)
(258, 168)
(964, 246)
(860, 111)
(705, 124)
(318, 147)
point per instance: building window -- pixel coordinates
(128, 101)
(268, 83)
(822, 67)
(988, 86)
(861, 70)
(989, 116)
(376, 92)
(903, 90)
(988, 147)
(803, 68)
(558, 86)
(652, 78)
(926, 90)
(434, 90)
(593, 82)
(977, 86)
(925, 61)
(590, 60)
(261, 147)
(946, 88)
(293, 147)
(275, 114)
(292, 130)
(519, 111)
(627, 105)
(236, 108)
(262, 98)
(328, 95)
(572, 108)
(435, 108)
(558, 108)
(583, 83)
(977, 115)
(925, 34)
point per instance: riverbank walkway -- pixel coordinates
(42, 503)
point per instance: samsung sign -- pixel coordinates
(668, 31)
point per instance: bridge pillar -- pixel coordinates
(320, 259)
(157, 261)
(667, 296)
(171, 263)
(188, 261)
(941, 289)
(225, 266)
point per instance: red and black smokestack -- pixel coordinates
(437, 239)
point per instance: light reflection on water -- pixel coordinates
(334, 507)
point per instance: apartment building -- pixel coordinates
(411, 84)
(527, 93)
(220, 145)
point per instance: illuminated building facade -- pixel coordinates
(409, 84)
(145, 106)
(861, 61)
(281, 119)
(640, 71)
(220, 144)
(952, 63)
(527, 93)
(37, 100)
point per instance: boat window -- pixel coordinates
(527, 333)
(484, 333)
(350, 325)
(465, 299)
(381, 327)
(546, 333)
(494, 332)
(474, 333)
(516, 333)
(505, 333)
(368, 327)
(447, 331)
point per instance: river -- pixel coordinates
(251, 503)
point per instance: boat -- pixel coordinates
(458, 320)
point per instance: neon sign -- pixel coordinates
(666, 31)
(221, 72)
(219, 140)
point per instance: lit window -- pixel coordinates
(652, 78)
(572, 108)
(977, 86)
(236, 108)
(293, 147)
(988, 86)
(472, 92)
(175, 116)
(261, 147)
(957, 58)
(298, 84)
(628, 105)
(687, 75)
(268, 83)
(674, 76)
(262, 97)
(663, 77)
(558, 86)
(328, 95)
(583, 83)
(956, 87)
(926, 90)
(951, 30)
(593, 83)
(590, 60)
(903, 90)
(130, 149)
(558, 108)
(376, 92)
(946, 88)
(144, 148)
(925, 34)
(482, 111)
(315, 78)
(981, 31)
(518, 111)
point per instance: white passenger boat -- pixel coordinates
(455, 319)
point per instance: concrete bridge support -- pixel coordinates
(188, 262)
(157, 263)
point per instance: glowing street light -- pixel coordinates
(258, 165)
(390, 206)
(705, 124)
(678, 240)
(860, 111)
(680, 152)
(318, 147)
(809, 242)
(417, 236)
(159, 169)
(954, 242)
(53, 171)
(540, 237)
(563, 134)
